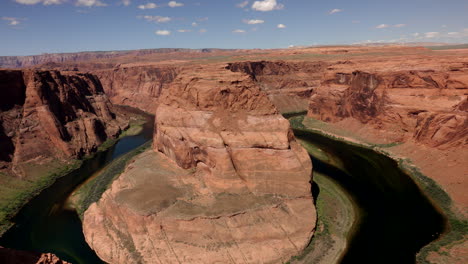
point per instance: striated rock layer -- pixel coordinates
(426, 106)
(226, 182)
(50, 115)
(137, 86)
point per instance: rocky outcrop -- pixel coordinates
(226, 181)
(426, 106)
(137, 86)
(11, 256)
(287, 84)
(50, 115)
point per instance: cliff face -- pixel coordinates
(48, 115)
(226, 181)
(136, 86)
(426, 106)
(287, 84)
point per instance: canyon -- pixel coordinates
(226, 180)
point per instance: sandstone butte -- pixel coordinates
(48, 116)
(226, 181)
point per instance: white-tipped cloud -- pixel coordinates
(44, 2)
(266, 5)
(281, 26)
(334, 11)
(12, 21)
(194, 24)
(242, 4)
(174, 4)
(162, 32)
(157, 19)
(90, 3)
(238, 31)
(253, 21)
(184, 30)
(431, 34)
(389, 26)
(126, 2)
(382, 26)
(148, 6)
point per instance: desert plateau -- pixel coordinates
(157, 151)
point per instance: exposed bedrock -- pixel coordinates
(427, 106)
(226, 181)
(12, 256)
(287, 84)
(49, 115)
(137, 86)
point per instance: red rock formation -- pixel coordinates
(427, 106)
(138, 86)
(232, 186)
(52, 115)
(287, 84)
(11, 256)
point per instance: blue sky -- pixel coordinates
(45, 26)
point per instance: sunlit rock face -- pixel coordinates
(225, 182)
(48, 115)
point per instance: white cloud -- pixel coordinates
(90, 3)
(126, 2)
(382, 26)
(432, 34)
(336, 10)
(184, 30)
(281, 26)
(44, 2)
(415, 34)
(399, 25)
(253, 21)
(202, 30)
(202, 19)
(194, 24)
(242, 4)
(266, 5)
(174, 4)
(157, 19)
(148, 6)
(12, 21)
(238, 31)
(162, 32)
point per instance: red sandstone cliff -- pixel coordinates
(426, 106)
(48, 115)
(137, 86)
(226, 181)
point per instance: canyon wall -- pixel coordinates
(136, 86)
(425, 106)
(52, 115)
(226, 181)
(287, 84)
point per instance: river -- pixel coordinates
(47, 224)
(395, 218)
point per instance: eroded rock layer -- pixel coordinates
(137, 86)
(426, 106)
(47, 115)
(226, 182)
(12, 256)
